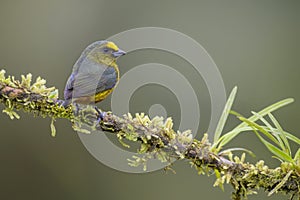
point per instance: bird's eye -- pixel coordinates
(105, 50)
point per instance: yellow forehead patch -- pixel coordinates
(112, 46)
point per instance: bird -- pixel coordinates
(95, 74)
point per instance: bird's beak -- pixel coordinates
(119, 53)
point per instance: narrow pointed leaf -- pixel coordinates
(289, 136)
(297, 155)
(281, 134)
(238, 129)
(272, 131)
(292, 137)
(224, 139)
(267, 110)
(224, 115)
(261, 129)
(277, 152)
(237, 149)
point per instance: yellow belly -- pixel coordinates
(102, 95)
(93, 99)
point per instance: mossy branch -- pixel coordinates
(157, 138)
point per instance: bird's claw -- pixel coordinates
(101, 114)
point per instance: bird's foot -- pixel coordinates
(101, 114)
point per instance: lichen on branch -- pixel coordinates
(157, 138)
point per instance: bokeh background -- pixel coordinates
(255, 45)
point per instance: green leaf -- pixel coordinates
(297, 155)
(243, 126)
(281, 134)
(224, 115)
(288, 136)
(267, 110)
(277, 152)
(261, 129)
(235, 113)
(229, 136)
(292, 137)
(277, 158)
(272, 131)
(236, 149)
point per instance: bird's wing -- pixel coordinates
(69, 87)
(87, 84)
(108, 79)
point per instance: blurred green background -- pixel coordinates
(255, 44)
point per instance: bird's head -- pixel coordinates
(104, 52)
